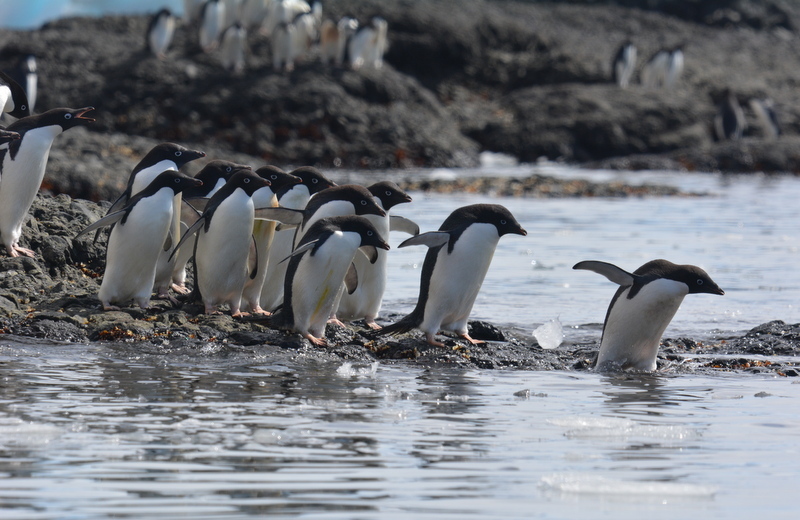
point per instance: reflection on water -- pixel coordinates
(95, 431)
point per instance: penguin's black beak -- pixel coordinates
(716, 290)
(81, 113)
(6, 136)
(521, 231)
(383, 245)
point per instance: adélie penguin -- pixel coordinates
(263, 235)
(365, 301)
(160, 32)
(13, 99)
(320, 264)
(224, 232)
(22, 166)
(294, 196)
(642, 308)
(455, 266)
(134, 246)
(213, 176)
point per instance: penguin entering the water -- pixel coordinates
(642, 308)
(22, 166)
(320, 264)
(457, 261)
(134, 246)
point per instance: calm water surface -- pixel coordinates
(100, 431)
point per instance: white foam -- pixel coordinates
(586, 427)
(596, 485)
(348, 370)
(14, 431)
(549, 335)
(362, 390)
(490, 159)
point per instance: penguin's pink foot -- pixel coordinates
(372, 325)
(16, 251)
(472, 341)
(320, 342)
(109, 307)
(336, 321)
(240, 314)
(180, 288)
(431, 339)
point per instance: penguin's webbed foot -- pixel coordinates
(181, 289)
(333, 320)
(370, 322)
(320, 342)
(163, 295)
(431, 339)
(16, 251)
(472, 341)
(109, 307)
(240, 314)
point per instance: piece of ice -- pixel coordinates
(597, 485)
(348, 370)
(549, 335)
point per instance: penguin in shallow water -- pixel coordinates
(263, 235)
(13, 99)
(642, 308)
(294, 196)
(365, 302)
(224, 233)
(321, 263)
(22, 167)
(160, 32)
(457, 261)
(135, 242)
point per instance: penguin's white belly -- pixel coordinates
(165, 266)
(146, 175)
(457, 278)
(634, 327)
(21, 180)
(317, 280)
(6, 103)
(161, 36)
(335, 208)
(222, 251)
(133, 250)
(365, 302)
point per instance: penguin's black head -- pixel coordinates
(247, 181)
(66, 118)
(7, 135)
(494, 214)
(277, 177)
(218, 169)
(694, 277)
(361, 199)
(389, 194)
(313, 179)
(175, 153)
(370, 236)
(177, 181)
(18, 97)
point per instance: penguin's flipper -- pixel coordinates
(301, 249)
(430, 239)
(254, 272)
(197, 203)
(189, 214)
(371, 252)
(398, 223)
(189, 232)
(115, 207)
(351, 279)
(612, 272)
(292, 217)
(281, 226)
(108, 220)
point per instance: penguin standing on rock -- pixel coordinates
(318, 267)
(135, 242)
(642, 308)
(295, 196)
(212, 18)
(22, 166)
(624, 64)
(160, 32)
(365, 301)
(457, 261)
(13, 99)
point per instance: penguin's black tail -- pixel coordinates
(406, 324)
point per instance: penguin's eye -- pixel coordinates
(67, 116)
(178, 153)
(699, 281)
(246, 180)
(177, 181)
(228, 169)
(273, 177)
(369, 233)
(314, 181)
(25, 107)
(363, 202)
(503, 222)
(388, 193)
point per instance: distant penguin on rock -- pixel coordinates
(654, 71)
(365, 302)
(294, 196)
(13, 99)
(320, 264)
(160, 32)
(457, 261)
(368, 45)
(212, 17)
(642, 308)
(729, 123)
(232, 48)
(142, 226)
(767, 116)
(674, 68)
(624, 64)
(22, 167)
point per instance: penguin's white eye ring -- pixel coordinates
(246, 181)
(363, 202)
(369, 233)
(314, 181)
(25, 107)
(67, 116)
(503, 222)
(699, 281)
(178, 153)
(177, 181)
(388, 193)
(273, 176)
(229, 169)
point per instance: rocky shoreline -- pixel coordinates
(53, 297)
